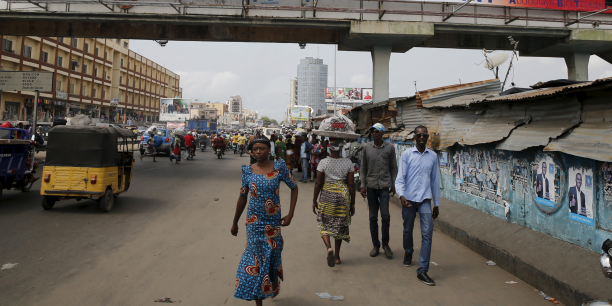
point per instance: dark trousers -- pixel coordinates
(378, 199)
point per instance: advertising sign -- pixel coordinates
(175, 125)
(564, 5)
(545, 181)
(26, 81)
(61, 95)
(580, 195)
(174, 109)
(114, 101)
(300, 113)
(348, 94)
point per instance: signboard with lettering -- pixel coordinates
(114, 101)
(26, 81)
(61, 95)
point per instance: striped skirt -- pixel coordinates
(334, 210)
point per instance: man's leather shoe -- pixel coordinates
(388, 251)
(426, 279)
(408, 259)
(375, 252)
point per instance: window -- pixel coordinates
(96, 52)
(104, 94)
(94, 92)
(60, 61)
(72, 89)
(73, 65)
(121, 62)
(58, 85)
(118, 40)
(60, 39)
(74, 42)
(104, 74)
(7, 45)
(86, 47)
(125, 45)
(45, 57)
(105, 54)
(119, 98)
(95, 72)
(84, 68)
(120, 79)
(84, 90)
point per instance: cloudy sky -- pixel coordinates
(260, 72)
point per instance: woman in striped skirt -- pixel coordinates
(336, 204)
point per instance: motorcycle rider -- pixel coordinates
(235, 142)
(218, 143)
(242, 142)
(190, 143)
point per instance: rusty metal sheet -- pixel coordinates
(432, 119)
(547, 120)
(408, 114)
(402, 136)
(593, 137)
(456, 122)
(496, 122)
(436, 95)
(463, 100)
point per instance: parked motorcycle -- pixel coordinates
(605, 261)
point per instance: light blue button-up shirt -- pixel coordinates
(418, 176)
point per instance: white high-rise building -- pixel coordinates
(235, 104)
(312, 81)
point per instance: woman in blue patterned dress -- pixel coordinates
(260, 269)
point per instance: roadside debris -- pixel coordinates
(166, 300)
(435, 263)
(550, 299)
(328, 296)
(8, 266)
(216, 199)
(491, 263)
(511, 282)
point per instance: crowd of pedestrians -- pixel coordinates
(415, 180)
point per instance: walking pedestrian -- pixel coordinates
(315, 156)
(176, 150)
(260, 269)
(378, 170)
(305, 149)
(297, 145)
(418, 183)
(336, 205)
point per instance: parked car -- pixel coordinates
(141, 129)
(163, 147)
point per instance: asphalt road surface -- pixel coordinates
(168, 237)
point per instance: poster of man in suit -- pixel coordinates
(544, 185)
(580, 195)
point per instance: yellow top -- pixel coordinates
(235, 138)
(242, 140)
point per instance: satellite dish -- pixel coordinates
(495, 60)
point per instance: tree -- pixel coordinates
(268, 121)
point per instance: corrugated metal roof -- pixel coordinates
(593, 137)
(549, 119)
(435, 95)
(402, 136)
(495, 123)
(408, 114)
(456, 122)
(464, 100)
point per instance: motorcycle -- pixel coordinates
(219, 154)
(235, 147)
(241, 150)
(605, 261)
(202, 145)
(190, 151)
(356, 173)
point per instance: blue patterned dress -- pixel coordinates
(261, 263)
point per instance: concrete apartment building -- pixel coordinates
(312, 81)
(100, 78)
(222, 108)
(293, 98)
(235, 104)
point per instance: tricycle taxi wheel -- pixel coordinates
(27, 185)
(106, 201)
(48, 202)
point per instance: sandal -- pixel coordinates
(276, 292)
(331, 261)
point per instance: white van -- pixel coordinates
(269, 131)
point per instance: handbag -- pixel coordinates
(177, 150)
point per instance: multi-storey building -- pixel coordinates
(100, 78)
(293, 98)
(235, 104)
(312, 81)
(222, 108)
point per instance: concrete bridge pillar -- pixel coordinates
(578, 66)
(380, 72)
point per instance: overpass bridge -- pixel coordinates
(573, 30)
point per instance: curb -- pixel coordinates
(531, 275)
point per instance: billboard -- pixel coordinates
(174, 109)
(348, 94)
(300, 113)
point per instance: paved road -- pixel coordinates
(168, 237)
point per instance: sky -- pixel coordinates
(260, 72)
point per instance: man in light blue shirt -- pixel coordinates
(305, 158)
(417, 184)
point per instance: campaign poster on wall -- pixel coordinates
(607, 174)
(580, 195)
(545, 181)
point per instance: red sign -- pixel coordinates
(338, 125)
